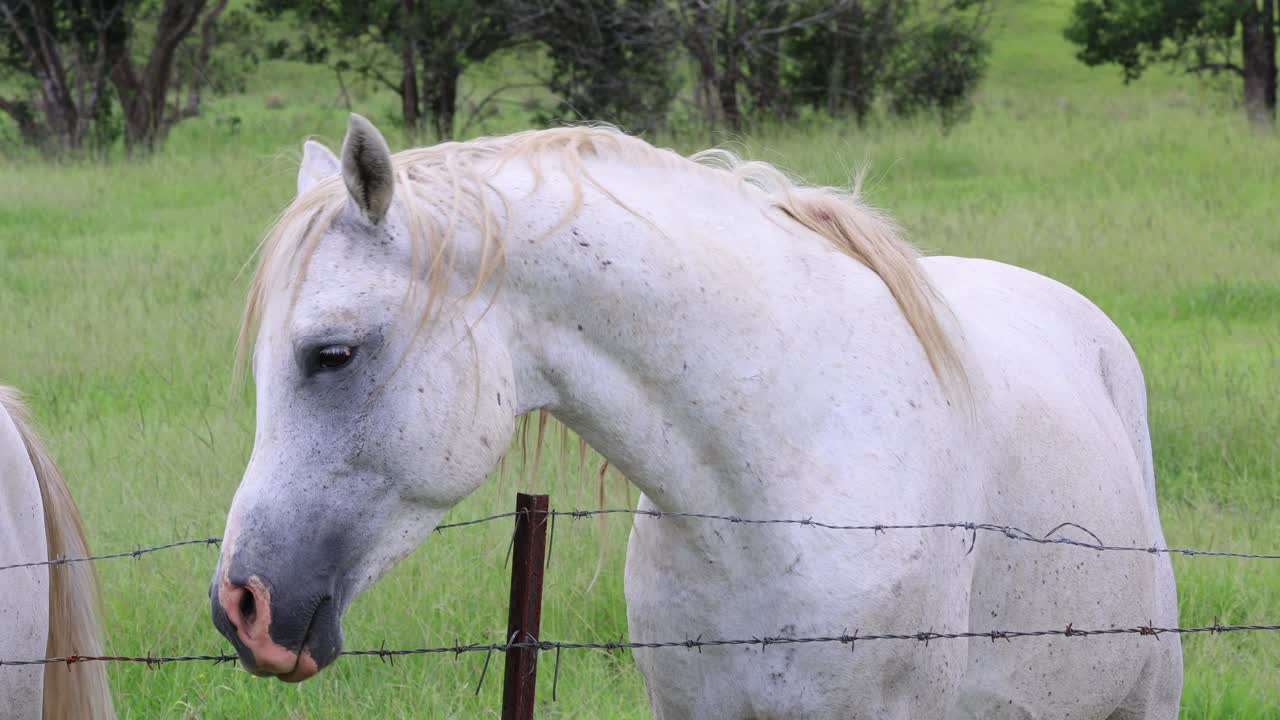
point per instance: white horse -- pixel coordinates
(735, 343)
(44, 611)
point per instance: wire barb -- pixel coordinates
(484, 669)
(555, 678)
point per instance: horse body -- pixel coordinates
(43, 612)
(766, 400)
(1043, 446)
(717, 343)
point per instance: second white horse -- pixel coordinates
(45, 611)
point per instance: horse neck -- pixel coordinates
(659, 335)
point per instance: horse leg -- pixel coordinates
(1158, 692)
(1157, 695)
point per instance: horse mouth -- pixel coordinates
(306, 665)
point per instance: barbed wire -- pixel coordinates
(1007, 531)
(698, 643)
(126, 553)
(136, 552)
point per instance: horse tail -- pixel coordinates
(75, 605)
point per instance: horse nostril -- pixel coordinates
(248, 607)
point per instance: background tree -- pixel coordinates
(142, 85)
(839, 57)
(610, 59)
(1200, 35)
(218, 56)
(738, 46)
(62, 62)
(58, 56)
(839, 64)
(939, 60)
(67, 56)
(430, 42)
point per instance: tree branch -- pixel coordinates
(7, 9)
(1217, 68)
(800, 23)
(9, 106)
(199, 72)
(369, 71)
(475, 111)
(27, 127)
(104, 56)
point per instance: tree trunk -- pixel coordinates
(857, 89)
(200, 71)
(731, 63)
(36, 34)
(408, 64)
(143, 94)
(94, 38)
(699, 39)
(441, 68)
(835, 84)
(763, 59)
(442, 97)
(1258, 31)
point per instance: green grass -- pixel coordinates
(121, 288)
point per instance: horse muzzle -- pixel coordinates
(281, 629)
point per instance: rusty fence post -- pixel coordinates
(525, 614)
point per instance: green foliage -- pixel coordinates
(1137, 33)
(611, 60)
(234, 58)
(61, 22)
(937, 69)
(82, 74)
(438, 40)
(317, 29)
(921, 57)
(57, 99)
(842, 64)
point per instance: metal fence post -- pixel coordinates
(525, 613)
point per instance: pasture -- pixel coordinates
(121, 287)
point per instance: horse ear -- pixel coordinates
(366, 168)
(318, 163)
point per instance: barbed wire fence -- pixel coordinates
(1007, 531)
(532, 553)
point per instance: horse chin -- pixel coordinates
(306, 668)
(321, 645)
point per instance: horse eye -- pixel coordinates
(334, 356)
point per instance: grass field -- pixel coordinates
(121, 287)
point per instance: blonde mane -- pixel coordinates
(453, 180)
